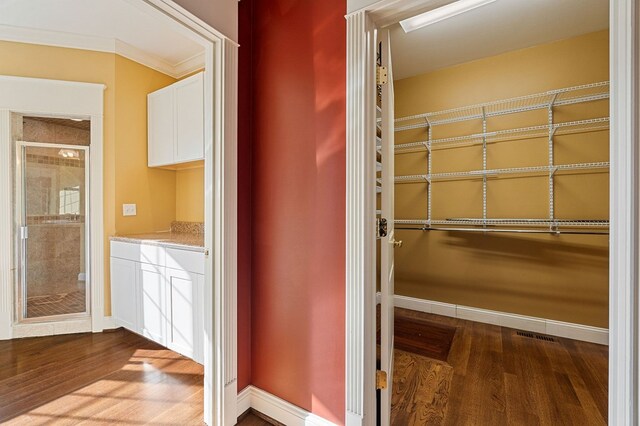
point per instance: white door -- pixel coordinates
(124, 300)
(387, 242)
(152, 311)
(189, 110)
(160, 123)
(185, 319)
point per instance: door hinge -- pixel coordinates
(382, 76)
(381, 227)
(381, 379)
(24, 232)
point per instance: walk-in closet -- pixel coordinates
(501, 213)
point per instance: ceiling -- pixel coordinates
(125, 27)
(498, 27)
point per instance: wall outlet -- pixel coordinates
(129, 210)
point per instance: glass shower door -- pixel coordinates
(52, 236)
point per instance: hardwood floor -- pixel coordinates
(99, 379)
(493, 376)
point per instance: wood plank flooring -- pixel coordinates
(99, 379)
(493, 376)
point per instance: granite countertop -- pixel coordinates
(178, 240)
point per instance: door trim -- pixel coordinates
(624, 232)
(43, 97)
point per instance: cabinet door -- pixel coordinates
(124, 301)
(152, 307)
(189, 98)
(185, 313)
(161, 130)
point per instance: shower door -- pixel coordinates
(51, 235)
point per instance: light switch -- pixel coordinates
(128, 210)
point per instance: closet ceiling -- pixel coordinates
(121, 26)
(499, 27)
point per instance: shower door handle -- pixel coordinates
(24, 232)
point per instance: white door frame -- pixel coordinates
(220, 209)
(52, 98)
(360, 222)
(20, 209)
(220, 164)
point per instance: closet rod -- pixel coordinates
(516, 231)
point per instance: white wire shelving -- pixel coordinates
(474, 174)
(532, 132)
(549, 130)
(566, 96)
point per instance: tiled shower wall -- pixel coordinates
(55, 247)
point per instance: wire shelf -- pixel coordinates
(532, 132)
(554, 223)
(565, 96)
(497, 172)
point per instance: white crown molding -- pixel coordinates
(189, 65)
(278, 409)
(56, 39)
(136, 55)
(101, 44)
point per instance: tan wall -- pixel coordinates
(127, 179)
(189, 194)
(152, 189)
(558, 277)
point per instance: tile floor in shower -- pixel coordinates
(56, 304)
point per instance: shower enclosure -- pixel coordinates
(51, 193)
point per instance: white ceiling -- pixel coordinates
(499, 27)
(122, 26)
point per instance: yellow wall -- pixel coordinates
(127, 179)
(189, 194)
(152, 189)
(558, 277)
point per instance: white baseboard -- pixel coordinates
(109, 323)
(521, 322)
(244, 400)
(277, 408)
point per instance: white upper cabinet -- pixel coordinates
(176, 122)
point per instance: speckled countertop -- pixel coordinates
(181, 240)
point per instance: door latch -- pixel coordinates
(381, 379)
(381, 228)
(396, 243)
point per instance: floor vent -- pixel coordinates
(535, 336)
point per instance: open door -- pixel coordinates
(387, 238)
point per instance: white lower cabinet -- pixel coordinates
(162, 303)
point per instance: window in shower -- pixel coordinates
(52, 194)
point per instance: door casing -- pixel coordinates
(360, 218)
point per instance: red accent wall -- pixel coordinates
(298, 90)
(245, 120)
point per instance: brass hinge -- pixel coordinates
(382, 76)
(381, 379)
(381, 228)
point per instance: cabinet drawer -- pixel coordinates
(191, 261)
(142, 253)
